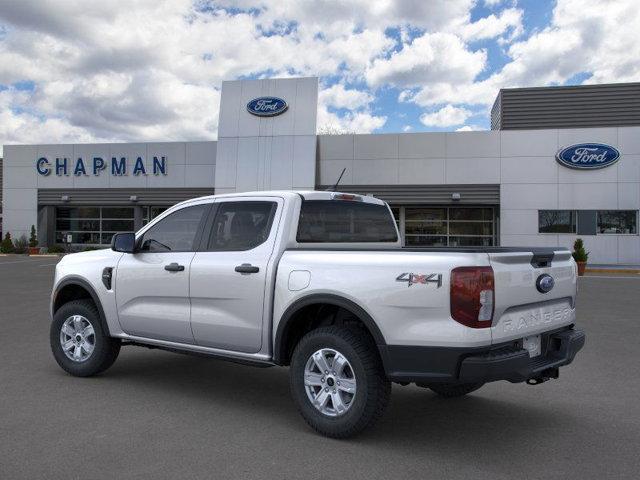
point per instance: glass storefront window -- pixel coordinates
(92, 225)
(151, 212)
(448, 226)
(556, 221)
(618, 221)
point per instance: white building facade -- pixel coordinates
(499, 187)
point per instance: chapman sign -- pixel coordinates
(267, 106)
(588, 156)
(96, 165)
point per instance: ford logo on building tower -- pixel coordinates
(267, 106)
(588, 156)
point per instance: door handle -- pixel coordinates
(247, 268)
(174, 267)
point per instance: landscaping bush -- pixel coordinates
(7, 244)
(55, 249)
(33, 238)
(579, 253)
(21, 244)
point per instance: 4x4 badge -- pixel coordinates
(413, 278)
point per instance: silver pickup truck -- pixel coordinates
(319, 282)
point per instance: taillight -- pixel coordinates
(472, 296)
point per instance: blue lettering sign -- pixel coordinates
(588, 156)
(79, 170)
(61, 166)
(118, 167)
(139, 167)
(42, 165)
(159, 166)
(98, 165)
(267, 106)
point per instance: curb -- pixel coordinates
(633, 271)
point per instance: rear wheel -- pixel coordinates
(337, 381)
(452, 390)
(78, 342)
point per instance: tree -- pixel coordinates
(579, 253)
(33, 238)
(7, 244)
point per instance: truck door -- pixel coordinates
(229, 274)
(152, 285)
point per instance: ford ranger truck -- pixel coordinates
(319, 282)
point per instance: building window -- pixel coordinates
(151, 212)
(556, 221)
(92, 225)
(448, 226)
(618, 221)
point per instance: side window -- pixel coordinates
(241, 225)
(174, 233)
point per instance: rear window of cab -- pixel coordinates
(341, 221)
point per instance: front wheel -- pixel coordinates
(78, 342)
(338, 382)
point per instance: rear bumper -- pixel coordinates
(507, 361)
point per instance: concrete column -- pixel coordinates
(46, 227)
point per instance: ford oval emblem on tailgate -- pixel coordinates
(545, 283)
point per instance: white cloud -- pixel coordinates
(338, 96)
(447, 116)
(407, 128)
(509, 20)
(151, 69)
(432, 57)
(469, 128)
(351, 122)
(582, 37)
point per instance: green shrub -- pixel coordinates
(33, 238)
(21, 244)
(55, 249)
(579, 253)
(7, 244)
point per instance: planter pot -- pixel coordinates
(581, 268)
(34, 250)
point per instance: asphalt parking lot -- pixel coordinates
(161, 415)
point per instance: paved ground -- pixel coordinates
(161, 415)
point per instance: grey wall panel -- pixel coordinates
(567, 107)
(428, 194)
(119, 196)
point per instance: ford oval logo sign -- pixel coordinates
(267, 106)
(545, 283)
(588, 156)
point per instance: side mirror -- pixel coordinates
(124, 242)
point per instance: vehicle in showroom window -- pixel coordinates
(319, 282)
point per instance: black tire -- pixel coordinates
(105, 351)
(373, 387)
(452, 390)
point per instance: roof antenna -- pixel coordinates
(335, 185)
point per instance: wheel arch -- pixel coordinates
(76, 288)
(291, 317)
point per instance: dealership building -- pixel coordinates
(559, 163)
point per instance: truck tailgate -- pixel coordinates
(521, 309)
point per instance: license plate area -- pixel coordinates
(533, 344)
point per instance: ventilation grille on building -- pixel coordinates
(119, 196)
(428, 194)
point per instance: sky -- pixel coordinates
(77, 71)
